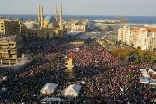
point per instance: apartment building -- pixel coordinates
(9, 50)
(143, 37)
(9, 27)
(79, 26)
(124, 34)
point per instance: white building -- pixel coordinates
(90, 25)
(31, 24)
(79, 26)
(83, 25)
(143, 37)
(124, 35)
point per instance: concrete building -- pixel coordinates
(124, 35)
(79, 26)
(143, 37)
(9, 50)
(9, 27)
(90, 25)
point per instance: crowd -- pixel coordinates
(108, 79)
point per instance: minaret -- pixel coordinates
(61, 18)
(42, 16)
(39, 15)
(56, 14)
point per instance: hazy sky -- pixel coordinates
(82, 7)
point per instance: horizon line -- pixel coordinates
(79, 14)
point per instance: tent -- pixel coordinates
(72, 90)
(145, 80)
(48, 99)
(144, 73)
(152, 71)
(48, 88)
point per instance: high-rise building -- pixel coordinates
(143, 37)
(9, 27)
(9, 50)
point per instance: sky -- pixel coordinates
(82, 7)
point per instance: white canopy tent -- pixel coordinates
(48, 88)
(48, 99)
(72, 90)
(144, 73)
(152, 71)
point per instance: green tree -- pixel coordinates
(138, 47)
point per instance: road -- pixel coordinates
(109, 35)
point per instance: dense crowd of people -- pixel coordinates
(107, 79)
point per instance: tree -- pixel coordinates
(138, 47)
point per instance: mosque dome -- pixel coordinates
(49, 17)
(50, 24)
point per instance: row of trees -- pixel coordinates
(142, 56)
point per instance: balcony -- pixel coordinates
(5, 61)
(12, 60)
(12, 46)
(4, 47)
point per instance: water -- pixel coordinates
(131, 19)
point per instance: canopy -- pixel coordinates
(72, 90)
(152, 71)
(144, 73)
(145, 80)
(46, 99)
(49, 88)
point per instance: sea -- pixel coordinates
(129, 19)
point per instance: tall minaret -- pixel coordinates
(42, 16)
(56, 14)
(39, 15)
(28, 17)
(61, 18)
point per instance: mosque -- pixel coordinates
(48, 27)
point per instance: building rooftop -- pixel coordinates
(144, 28)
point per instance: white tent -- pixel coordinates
(152, 71)
(49, 88)
(48, 99)
(5, 78)
(72, 90)
(144, 73)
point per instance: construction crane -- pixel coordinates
(115, 28)
(123, 21)
(105, 32)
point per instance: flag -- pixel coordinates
(72, 55)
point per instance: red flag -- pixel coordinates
(72, 55)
